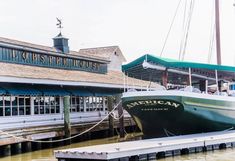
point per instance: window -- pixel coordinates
(81, 102)
(21, 106)
(100, 104)
(78, 104)
(7, 100)
(36, 104)
(57, 104)
(1, 106)
(52, 104)
(41, 105)
(27, 105)
(75, 104)
(46, 105)
(14, 101)
(92, 103)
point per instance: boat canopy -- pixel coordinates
(149, 67)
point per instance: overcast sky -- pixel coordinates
(136, 26)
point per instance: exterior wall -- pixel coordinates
(83, 109)
(116, 61)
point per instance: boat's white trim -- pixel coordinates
(178, 93)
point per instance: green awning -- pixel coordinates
(20, 89)
(79, 91)
(54, 91)
(104, 92)
(175, 63)
(3, 91)
(152, 68)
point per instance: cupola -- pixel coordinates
(61, 43)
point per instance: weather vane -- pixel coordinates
(59, 24)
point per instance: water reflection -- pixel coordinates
(47, 154)
(217, 155)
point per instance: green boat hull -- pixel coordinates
(159, 116)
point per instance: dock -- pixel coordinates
(150, 149)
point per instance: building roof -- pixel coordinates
(17, 71)
(26, 44)
(100, 53)
(104, 52)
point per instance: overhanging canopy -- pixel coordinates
(105, 92)
(20, 89)
(175, 63)
(79, 91)
(54, 91)
(177, 70)
(2, 91)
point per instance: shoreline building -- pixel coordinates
(35, 78)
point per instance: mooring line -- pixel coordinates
(60, 140)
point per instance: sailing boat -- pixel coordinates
(197, 97)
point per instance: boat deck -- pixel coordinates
(150, 149)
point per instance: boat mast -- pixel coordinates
(217, 24)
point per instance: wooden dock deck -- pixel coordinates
(150, 149)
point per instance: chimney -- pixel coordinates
(61, 43)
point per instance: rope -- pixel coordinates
(188, 27)
(168, 133)
(60, 140)
(172, 22)
(183, 29)
(116, 118)
(231, 128)
(211, 45)
(212, 34)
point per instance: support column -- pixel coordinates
(111, 121)
(32, 105)
(5, 150)
(26, 147)
(103, 102)
(206, 86)
(121, 117)
(165, 78)
(36, 146)
(216, 79)
(16, 148)
(67, 127)
(84, 103)
(61, 106)
(190, 76)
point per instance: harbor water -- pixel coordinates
(47, 154)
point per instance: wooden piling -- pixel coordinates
(67, 126)
(16, 148)
(121, 117)
(6, 150)
(26, 147)
(111, 121)
(36, 146)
